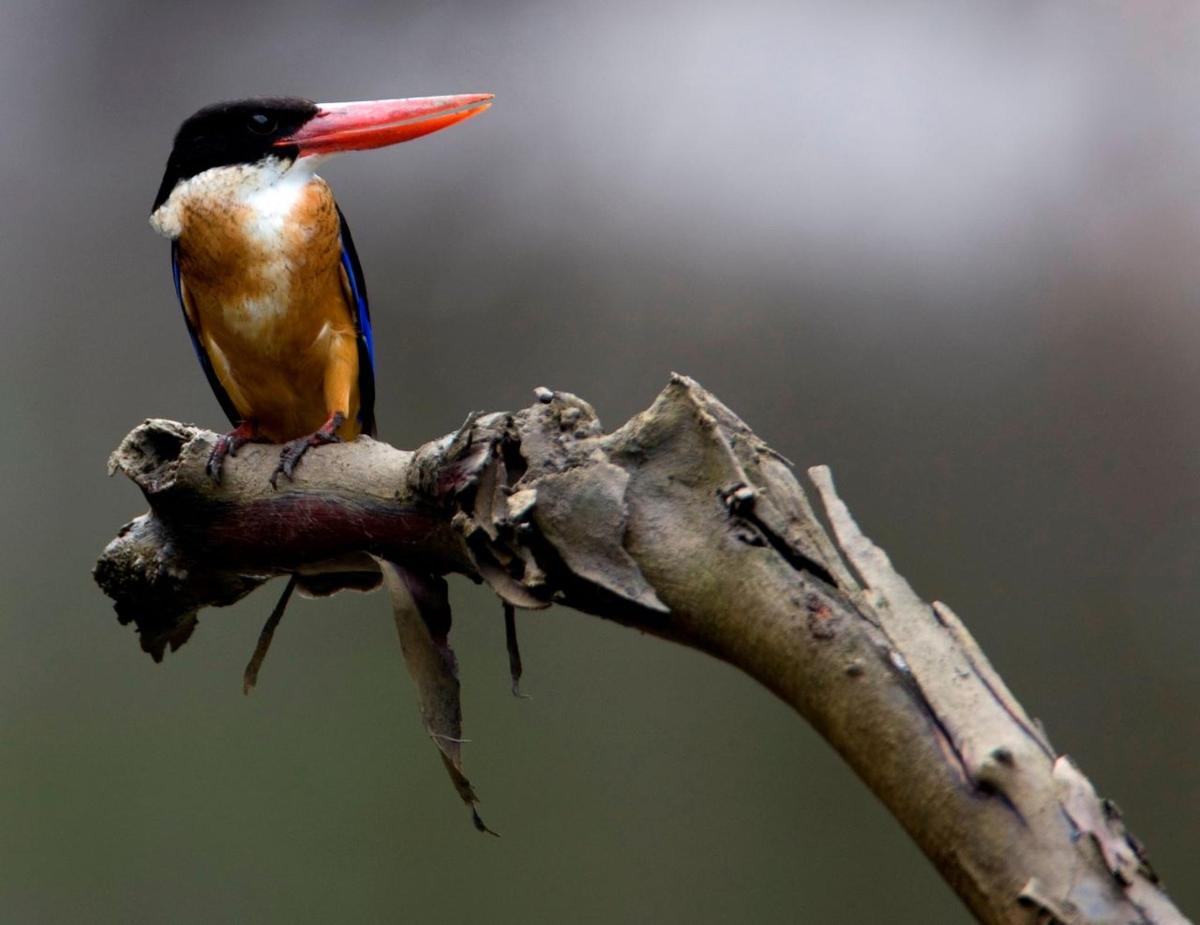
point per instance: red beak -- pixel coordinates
(378, 123)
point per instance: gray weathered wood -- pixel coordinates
(684, 524)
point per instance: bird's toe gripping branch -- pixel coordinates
(228, 445)
(294, 451)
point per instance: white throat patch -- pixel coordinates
(271, 188)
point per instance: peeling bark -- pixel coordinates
(684, 524)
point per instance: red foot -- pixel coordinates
(228, 445)
(294, 451)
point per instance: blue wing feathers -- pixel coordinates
(362, 313)
(362, 321)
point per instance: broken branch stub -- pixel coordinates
(684, 524)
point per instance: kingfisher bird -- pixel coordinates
(265, 269)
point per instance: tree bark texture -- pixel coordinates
(684, 524)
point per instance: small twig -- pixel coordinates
(250, 675)
(514, 649)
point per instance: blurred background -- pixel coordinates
(951, 250)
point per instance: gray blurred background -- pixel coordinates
(952, 250)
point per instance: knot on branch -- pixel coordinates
(541, 510)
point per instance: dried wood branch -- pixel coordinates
(684, 524)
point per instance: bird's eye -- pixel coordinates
(261, 124)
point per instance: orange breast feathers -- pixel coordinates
(264, 288)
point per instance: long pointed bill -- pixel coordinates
(378, 123)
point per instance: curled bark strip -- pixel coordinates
(422, 612)
(683, 524)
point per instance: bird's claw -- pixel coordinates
(213, 467)
(227, 445)
(294, 450)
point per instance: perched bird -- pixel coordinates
(265, 268)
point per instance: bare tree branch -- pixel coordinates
(684, 524)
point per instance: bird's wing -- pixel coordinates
(205, 363)
(355, 287)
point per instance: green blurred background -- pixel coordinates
(950, 250)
